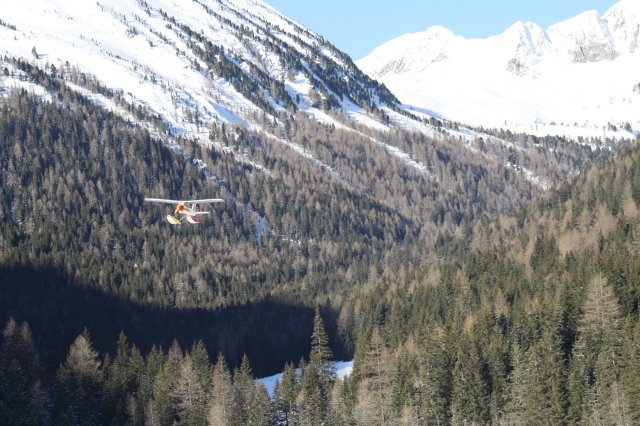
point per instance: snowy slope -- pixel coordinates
(195, 63)
(574, 78)
(189, 68)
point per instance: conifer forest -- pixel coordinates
(471, 297)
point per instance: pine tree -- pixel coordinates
(470, 395)
(317, 377)
(311, 400)
(374, 388)
(321, 355)
(607, 372)
(403, 388)
(343, 400)
(285, 395)
(538, 383)
(631, 371)
(596, 364)
(435, 379)
(161, 408)
(80, 384)
(517, 393)
(260, 411)
(189, 395)
(221, 400)
(121, 380)
(243, 392)
(201, 365)
(153, 364)
(23, 398)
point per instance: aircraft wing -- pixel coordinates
(205, 201)
(162, 200)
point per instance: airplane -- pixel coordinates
(185, 209)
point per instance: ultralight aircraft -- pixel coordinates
(185, 209)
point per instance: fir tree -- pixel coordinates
(594, 386)
(161, 408)
(631, 371)
(374, 387)
(243, 392)
(285, 395)
(122, 376)
(312, 400)
(321, 356)
(221, 400)
(260, 411)
(189, 395)
(80, 384)
(470, 395)
(434, 378)
(23, 398)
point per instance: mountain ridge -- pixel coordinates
(226, 58)
(524, 78)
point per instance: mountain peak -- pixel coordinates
(623, 19)
(438, 31)
(524, 75)
(526, 39)
(584, 38)
(410, 51)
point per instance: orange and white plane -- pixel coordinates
(185, 209)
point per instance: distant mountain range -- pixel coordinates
(576, 77)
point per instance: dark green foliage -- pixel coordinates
(80, 385)
(435, 374)
(470, 392)
(631, 371)
(243, 394)
(285, 395)
(500, 325)
(545, 256)
(221, 396)
(23, 398)
(123, 374)
(321, 356)
(318, 377)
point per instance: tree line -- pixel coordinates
(163, 387)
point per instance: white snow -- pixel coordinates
(572, 79)
(126, 46)
(343, 369)
(130, 46)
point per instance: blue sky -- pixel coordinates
(358, 26)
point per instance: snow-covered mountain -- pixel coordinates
(575, 77)
(195, 64)
(204, 68)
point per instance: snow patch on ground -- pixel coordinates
(343, 369)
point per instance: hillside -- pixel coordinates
(190, 72)
(538, 311)
(195, 65)
(350, 228)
